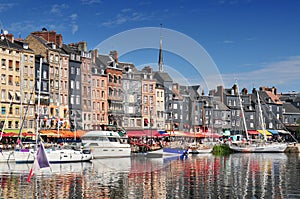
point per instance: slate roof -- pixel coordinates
(162, 77)
(290, 108)
(18, 45)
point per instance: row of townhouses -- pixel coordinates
(67, 86)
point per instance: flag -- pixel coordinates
(41, 161)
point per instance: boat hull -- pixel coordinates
(7, 156)
(267, 148)
(53, 156)
(110, 152)
(166, 152)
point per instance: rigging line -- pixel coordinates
(274, 117)
(26, 110)
(10, 104)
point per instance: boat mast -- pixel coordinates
(261, 117)
(39, 102)
(243, 114)
(58, 98)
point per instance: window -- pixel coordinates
(102, 83)
(145, 88)
(72, 99)
(72, 84)
(3, 110)
(174, 106)
(151, 99)
(77, 85)
(10, 65)
(151, 88)
(10, 80)
(3, 63)
(72, 70)
(77, 99)
(145, 99)
(77, 71)
(3, 79)
(3, 94)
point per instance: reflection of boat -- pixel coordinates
(12, 167)
(105, 144)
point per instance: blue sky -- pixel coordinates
(255, 42)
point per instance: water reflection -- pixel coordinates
(199, 176)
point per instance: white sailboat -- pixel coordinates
(259, 147)
(54, 154)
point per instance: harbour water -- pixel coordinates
(198, 176)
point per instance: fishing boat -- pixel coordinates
(199, 148)
(248, 146)
(106, 144)
(171, 149)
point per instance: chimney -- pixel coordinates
(220, 92)
(235, 89)
(114, 55)
(82, 46)
(245, 91)
(49, 36)
(94, 54)
(10, 37)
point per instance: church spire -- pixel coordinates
(160, 58)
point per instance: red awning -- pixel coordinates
(253, 132)
(141, 133)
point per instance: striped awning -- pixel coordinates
(283, 132)
(253, 132)
(267, 132)
(274, 132)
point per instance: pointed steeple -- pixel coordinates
(160, 56)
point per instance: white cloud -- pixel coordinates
(23, 27)
(228, 42)
(283, 74)
(90, 2)
(57, 8)
(5, 6)
(73, 17)
(126, 15)
(74, 28)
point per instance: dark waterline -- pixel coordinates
(198, 176)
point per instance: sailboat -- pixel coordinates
(54, 154)
(260, 147)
